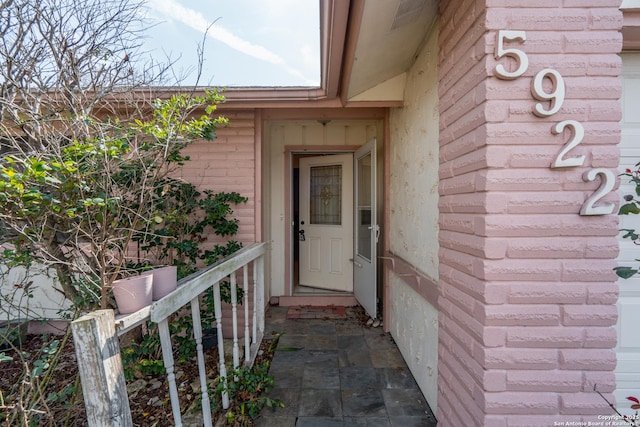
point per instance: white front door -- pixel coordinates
(326, 222)
(366, 228)
(628, 349)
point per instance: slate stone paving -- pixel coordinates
(333, 371)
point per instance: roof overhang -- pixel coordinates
(334, 19)
(366, 49)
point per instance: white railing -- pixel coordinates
(98, 353)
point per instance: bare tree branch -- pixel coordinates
(83, 143)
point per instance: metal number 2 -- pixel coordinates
(607, 182)
(578, 135)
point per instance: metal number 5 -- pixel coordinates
(521, 58)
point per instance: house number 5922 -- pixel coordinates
(551, 103)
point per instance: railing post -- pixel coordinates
(255, 305)
(202, 372)
(247, 336)
(167, 358)
(101, 372)
(223, 369)
(260, 294)
(234, 315)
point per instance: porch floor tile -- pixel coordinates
(316, 312)
(334, 371)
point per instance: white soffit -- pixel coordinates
(389, 90)
(391, 34)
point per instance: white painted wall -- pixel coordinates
(278, 135)
(414, 166)
(38, 301)
(413, 202)
(628, 348)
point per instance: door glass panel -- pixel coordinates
(363, 228)
(325, 204)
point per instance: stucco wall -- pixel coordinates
(413, 196)
(413, 204)
(29, 296)
(414, 327)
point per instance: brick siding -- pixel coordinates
(527, 291)
(228, 164)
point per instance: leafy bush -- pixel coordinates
(87, 148)
(144, 356)
(179, 238)
(249, 391)
(630, 207)
(76, 203)
(185, 216)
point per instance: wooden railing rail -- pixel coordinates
(98, 352)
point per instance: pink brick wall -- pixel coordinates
(527, 291)
(228, 164)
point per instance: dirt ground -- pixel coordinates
(58, 405)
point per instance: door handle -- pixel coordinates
(301, 236)
(377, 229)
(356, 263)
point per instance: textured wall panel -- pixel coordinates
(414, 166)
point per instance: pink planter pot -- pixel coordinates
(133, 293)
(165, 280)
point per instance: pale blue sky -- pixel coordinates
(251, 43)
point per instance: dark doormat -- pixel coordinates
(316, 312)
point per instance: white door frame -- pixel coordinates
(289, 153)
